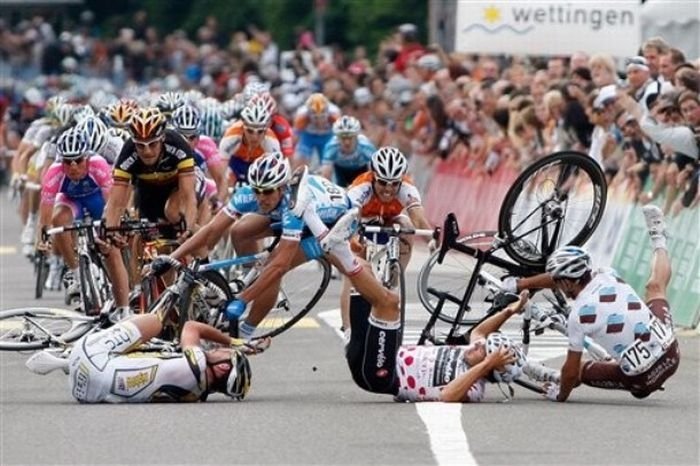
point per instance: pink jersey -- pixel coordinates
(98, 178)
(208, 151)
(425, 370)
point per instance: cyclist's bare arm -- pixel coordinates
(457, 390)
(193, 332)
(493, 323)
(116, 205)
(417, 216)
(218, 174)
(539, 281)
(186, 186)
(570, 374)
(279, 264)
(205, 236)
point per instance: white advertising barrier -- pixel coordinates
(548, 28)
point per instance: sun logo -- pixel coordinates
(492, 14)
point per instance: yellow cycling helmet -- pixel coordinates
(147, 123)
(317, 103)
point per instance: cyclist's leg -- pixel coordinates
(405, 242)
(660, 275)
(64, 213)
(246, 232)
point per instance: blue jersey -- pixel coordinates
(243, 201)
(328, 203)
(358, 158)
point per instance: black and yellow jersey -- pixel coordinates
(177, 157)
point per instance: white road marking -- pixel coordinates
(443, 421)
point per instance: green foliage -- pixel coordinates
(347, 22)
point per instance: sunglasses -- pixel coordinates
(257, 131)
(147, 144)
(191, 137)
(264, 192)
(391, 184)
(76, 161)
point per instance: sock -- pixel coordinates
(658, 242)
(246, 330)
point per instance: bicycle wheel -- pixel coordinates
(452, 276)
(300, 291)
(206, 305)
(89, 292)
(557, 201)
(42, 271)
(35, 328)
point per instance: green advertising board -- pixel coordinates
(633, 261)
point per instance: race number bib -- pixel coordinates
(638, 357)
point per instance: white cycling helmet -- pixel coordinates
(266, 100)
(256, 116)
(238, 380)
(510, 372)
(389, 164)
(269, 171)
(72, 144)
(63, 114)
(186, 119)
(120, 133)
(347, 125)
(83, 112)
(252, 89)
(95, 132)
(568, 262)
(168, 102)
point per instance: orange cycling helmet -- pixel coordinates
(147, 123)
(317, 103)
(120, 114)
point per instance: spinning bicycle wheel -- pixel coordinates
(299, 292)
(557, 201)
(33, 328)
(452, 277)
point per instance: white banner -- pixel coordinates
(548, 28)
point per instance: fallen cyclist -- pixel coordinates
(434, 373)
(108, 366)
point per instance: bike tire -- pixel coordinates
(42, 272)
(538, 185)
(64, 324)
(284, 316)
(396, 269)
(88, 288)
(452, 276)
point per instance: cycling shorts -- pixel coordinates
(345, 176)
(92, 205)
(308, 143)
(609, 375)
(371, 352)
(239, 167)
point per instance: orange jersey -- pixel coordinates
(361, 194)
(233, 144)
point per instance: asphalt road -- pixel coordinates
(304, 409)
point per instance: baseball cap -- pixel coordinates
(637, 62)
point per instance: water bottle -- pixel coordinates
(233, 314)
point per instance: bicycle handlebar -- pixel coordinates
(74, 227)
(396, 230)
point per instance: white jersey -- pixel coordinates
(102, 370)
(39, 132)
(610, 312)
(425, 370)
(111, 149)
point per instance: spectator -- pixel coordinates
(602, 70)
(652, 50)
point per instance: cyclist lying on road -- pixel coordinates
(637, 334)
(432, 373)
(107, 366)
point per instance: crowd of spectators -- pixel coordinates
(638, 118)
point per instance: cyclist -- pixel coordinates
(637, 334)
(99, 140)
(248, 139)
(429, 373)
(168, 102)
(317, 223)
(161, 166)
(313, 125)
(278, 124)
(186, 121)
(348, 153)
(108, 367)
(77, 184)
(382, 194)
